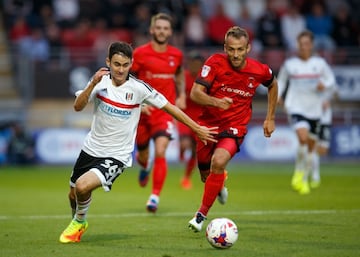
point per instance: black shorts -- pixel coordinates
(107, 169)
(298, 121)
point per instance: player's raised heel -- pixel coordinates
(196, 223)
(73, 232)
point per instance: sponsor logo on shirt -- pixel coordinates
(150, 75)
(113, 111)
(251, 80)
(205, 71)
(236, 91)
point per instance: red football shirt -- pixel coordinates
(193, 110)
(222, 80)
(158, 69)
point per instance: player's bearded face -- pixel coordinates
(237, 50)
(161, 31)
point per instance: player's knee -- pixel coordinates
(82, 188)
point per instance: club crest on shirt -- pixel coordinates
(205, 71)
(251, 81)
(129, 96)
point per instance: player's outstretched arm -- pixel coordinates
(204, 133)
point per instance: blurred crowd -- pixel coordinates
(44, 29)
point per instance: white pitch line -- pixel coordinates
(186, 214)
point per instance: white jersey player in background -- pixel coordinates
(109, 145)
(306, 77)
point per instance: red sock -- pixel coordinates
(159, 174)
(213, 185)
(190, 165)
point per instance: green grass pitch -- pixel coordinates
(272, 219)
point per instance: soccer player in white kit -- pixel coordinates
(308, 76)
(109, 145)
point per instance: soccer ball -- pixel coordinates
(221, 233)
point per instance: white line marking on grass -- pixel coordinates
(186, 214)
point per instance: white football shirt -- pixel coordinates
(116, 116)
(303, 77)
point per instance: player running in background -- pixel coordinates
(226, 86)
(187, 138)
(160, 65)
(109, 145)
(308, 77)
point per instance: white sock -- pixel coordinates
(301, 158)
(82, 209)
(315, 175)
(309, 165)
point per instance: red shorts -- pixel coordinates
(205, 152)
(159, 123)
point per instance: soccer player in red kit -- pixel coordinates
(187, 138)
(160, 65)
(226, 86)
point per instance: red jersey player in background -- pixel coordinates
(160, 65)
(226, 86)
(187, 138)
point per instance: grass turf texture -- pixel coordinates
(272, 219)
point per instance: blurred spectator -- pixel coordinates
(245, 21)
(35, 46)
(195, 32)
(46, 15)
(256, 8)
(217, 25)
(14, 9)
(19, 29)
(53, 35)
(21, 148)
(103, 38)
(118, 13)
(292, 23)
(79, 44)
(66, 12)
(207, 7)
(344, 31)
(232, 8)
(320, 23)
(140, 23)
(269, 29)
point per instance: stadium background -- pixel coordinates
(50, 48)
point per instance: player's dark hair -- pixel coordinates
(161, 16)
(236, 32)
(306, 33)
(121, 48)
